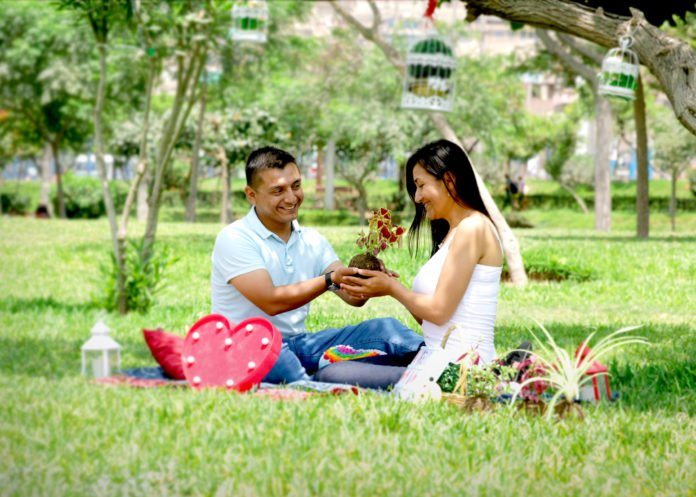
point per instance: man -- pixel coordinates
(267, 265)
(510, 192)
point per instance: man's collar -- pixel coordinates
(257, 226)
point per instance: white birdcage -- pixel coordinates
(249, 21)
(428, 78)
(620, 69)
(101, 354)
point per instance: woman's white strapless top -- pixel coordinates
(475, 314)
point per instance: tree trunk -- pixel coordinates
(361, 202)
(139, 185)
(45, 198)
(119, 255)
(225, 214)
(402, 180)
(577, 197)
(603, 121)
(602, 169)
(642, 180)
(143, 193)
(673, 200)
(195, 162)
(330, 169)
(317, 183)
(189, 73)
(59, 180)
(671, 60)
(320, 166)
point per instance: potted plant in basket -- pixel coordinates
(565, 374)
(381, 235)
(476, 384)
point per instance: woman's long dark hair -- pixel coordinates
(438, 158)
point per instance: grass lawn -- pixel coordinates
(61, 435)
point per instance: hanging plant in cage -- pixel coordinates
(381, 235)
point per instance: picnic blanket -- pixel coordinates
(155, 377)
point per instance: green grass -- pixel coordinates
(61, 435)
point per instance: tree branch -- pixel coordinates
(672, 61)
(573, 63)
(581, 48)
(372, 34)
(376, 16)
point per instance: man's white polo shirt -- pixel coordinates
(247, 245)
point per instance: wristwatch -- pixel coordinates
(330, 285)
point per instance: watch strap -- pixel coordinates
(330, 285)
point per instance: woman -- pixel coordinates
(459, 284)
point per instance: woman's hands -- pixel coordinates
(375, 284)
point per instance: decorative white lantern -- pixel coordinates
(101, 355)
(620, 67)
(249, 21)
(428, 79)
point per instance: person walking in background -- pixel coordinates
(521, 193)
(510, 192)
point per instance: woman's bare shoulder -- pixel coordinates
(473, 224)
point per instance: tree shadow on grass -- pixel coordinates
(58, 357)
(18, 305)
(659, 376)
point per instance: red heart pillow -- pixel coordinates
(219, 355)
(166, 348)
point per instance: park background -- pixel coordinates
(321, 90)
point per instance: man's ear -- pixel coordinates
(250, 194)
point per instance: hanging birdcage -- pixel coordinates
(620, 69)
(428, 78)
(249, 21)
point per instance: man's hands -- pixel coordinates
(345, 278)
(340, 273)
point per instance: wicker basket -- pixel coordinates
(471, 403)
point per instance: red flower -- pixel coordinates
(392, 238)
(399, 231)
(385, 232)
(383, 211)
(380, 224)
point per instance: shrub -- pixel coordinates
(143, 278)
(517, 220)
(547, 266)
(84, 198)
(14, 203)
(626, 203)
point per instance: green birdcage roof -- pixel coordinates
(432, 46)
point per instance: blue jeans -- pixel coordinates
(300, 354)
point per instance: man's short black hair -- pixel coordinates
(266, 158)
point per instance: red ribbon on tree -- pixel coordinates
(432, 5)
